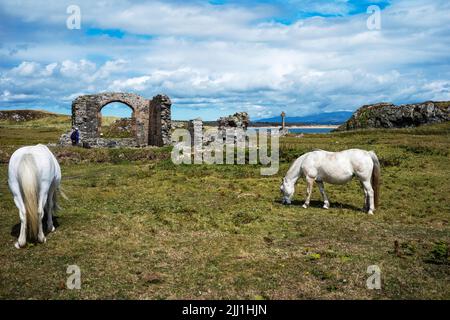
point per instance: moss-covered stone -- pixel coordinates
(386, 115)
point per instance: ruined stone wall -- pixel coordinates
(86, 114)
(160, 121)
(231, 127)
(111, 143)
(151, 119)
(239, 120)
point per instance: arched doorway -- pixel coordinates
(116, 120)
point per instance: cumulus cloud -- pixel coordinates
(217, 59)
(26, 69)
(7, 96)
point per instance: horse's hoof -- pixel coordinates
(43, 240)
(370, 212)
(52, 229)
(326, 207)
(305, 206)
(20, 244)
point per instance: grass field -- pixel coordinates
(140, 227)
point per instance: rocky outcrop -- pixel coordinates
(387, 115)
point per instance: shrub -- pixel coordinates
(439, 254)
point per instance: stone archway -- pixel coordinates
(151, 118)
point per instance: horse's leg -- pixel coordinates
(23, 223)
(50, 205)
(309, 187)
(368, 188)
(326, 203)
(366, 198)
(41, 204)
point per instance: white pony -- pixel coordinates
(335, 168)
(34, 177)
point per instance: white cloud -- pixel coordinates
(7, 96)
(220, 59)
(110, 68)
(73, 69)
(137, 83)
(33, 69)
(49, 69)
(26, 69)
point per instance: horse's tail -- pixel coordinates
(27, 177)
(376, 177)
(56, 206)
(61, 191)
(54, 201)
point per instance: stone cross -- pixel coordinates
(283, 124)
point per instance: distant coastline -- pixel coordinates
(309, 126)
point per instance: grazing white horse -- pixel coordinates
(34, 177)
(335, 168)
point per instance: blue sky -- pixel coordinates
(218, 57)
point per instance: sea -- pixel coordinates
(301, 130)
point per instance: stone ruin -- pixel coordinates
(239, 120)
(226, 126)
(230, 124)
(150, 120)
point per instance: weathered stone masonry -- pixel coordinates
(160, 121)
(151, 119)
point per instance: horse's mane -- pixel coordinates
(294, 169)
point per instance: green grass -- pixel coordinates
(140, 227)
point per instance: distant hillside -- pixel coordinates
(387, 115)
(338, 117)
(24, 115)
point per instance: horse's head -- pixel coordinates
(287, 189)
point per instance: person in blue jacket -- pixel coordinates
(75, 136)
